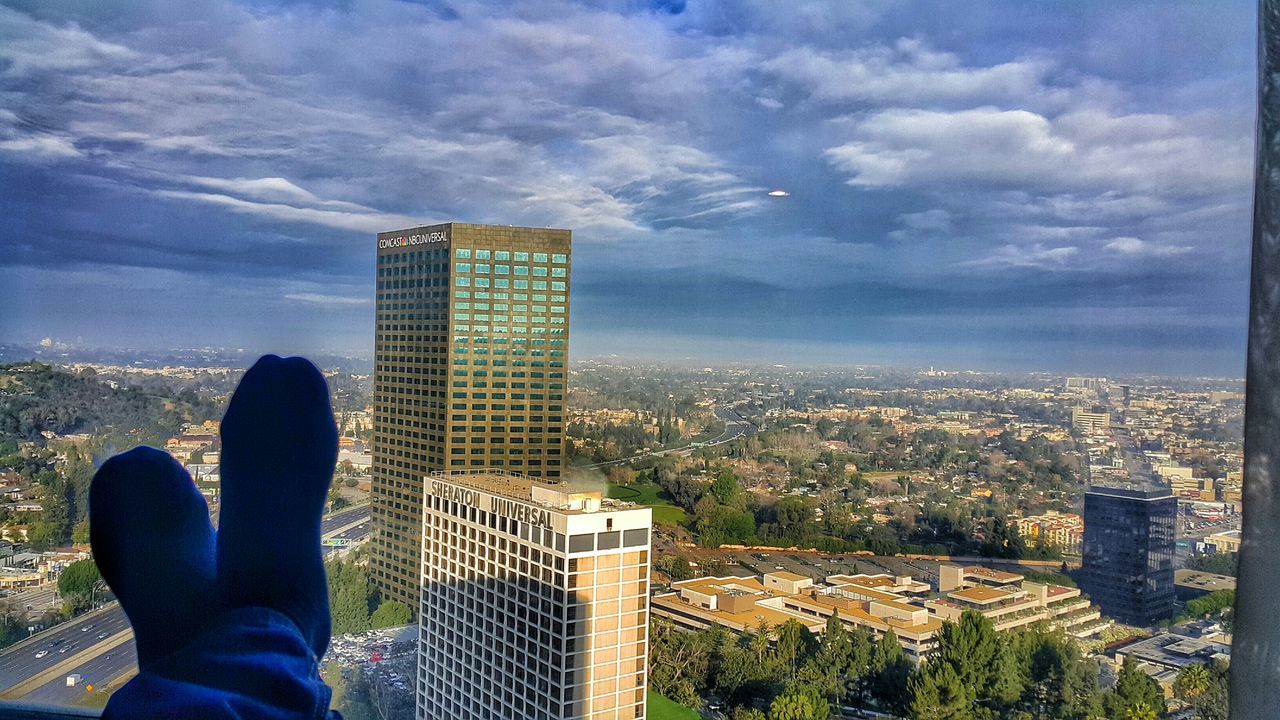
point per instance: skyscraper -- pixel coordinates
(470, 361)
(535, 602)
(1128, 552)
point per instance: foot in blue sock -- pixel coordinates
(152, 540)
(279, 447)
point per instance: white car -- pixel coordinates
(41, 654)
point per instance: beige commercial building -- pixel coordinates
(878, 603)
(470, 364)
(535, 601)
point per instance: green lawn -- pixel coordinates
(660, 708)
(664, 513)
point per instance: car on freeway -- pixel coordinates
(101, 635)
(87, 628)
(41, 654)
(65, 648)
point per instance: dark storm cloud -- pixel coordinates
(959, 176)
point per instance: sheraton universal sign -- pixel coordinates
(497, 505)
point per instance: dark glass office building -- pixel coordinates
(471, 356)
(1129, 535)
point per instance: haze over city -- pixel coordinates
(1007, 186)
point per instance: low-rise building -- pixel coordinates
(1224, 542)
(878, 603)
(1064, 530)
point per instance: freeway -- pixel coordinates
(736, 427)
(342, 518)
(20, 662)
(97, 671)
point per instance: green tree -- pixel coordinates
(725, 487)
(390, 613)
(939, 693)
(80, 584)
(799, 703)
(1133, 689)
(890, 671)
(793, 645)
(1209, 701)
(349, 597)
(1192, 682)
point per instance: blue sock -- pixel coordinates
(279, 448)
(154, 544)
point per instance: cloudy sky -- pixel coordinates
(990, 185)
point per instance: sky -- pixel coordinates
(997, 185)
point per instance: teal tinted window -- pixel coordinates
(540, 257)
(557, 272)
(557, 285)
(521, 284)
(482, 254)
(462, 282)
(482, 267)
(462, 267)
(521, 257)
(522, 270)
(558, 258)
(501, 255)
(462, 253)
(539, 272)
(501, 269)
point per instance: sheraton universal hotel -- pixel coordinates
(534, 601)
(532, 596)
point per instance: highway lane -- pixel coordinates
(97, 671)
(18, 664)
(343, 518)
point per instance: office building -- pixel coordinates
(1128, 552)
(471, 357)
(534, 601)
(1090, 422)
(877, 604)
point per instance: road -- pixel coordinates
(342, 518)
(19, 663)
(36, 600)
(736, 427)
(97, 671)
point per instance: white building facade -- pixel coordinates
(535, 601)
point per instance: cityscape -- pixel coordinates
(905, 378)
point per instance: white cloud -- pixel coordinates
(1136, 154)
(907, 73)
(328, 300)
(1137, 247)
(1036, 256)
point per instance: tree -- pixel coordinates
(390, 613)
(349, 597)
(1209, 700)
(890, 670)
(939, 693)
(725, 487)
(79, 584)
(793, 645)
(799, 703)
(1059, 682)
(1133, 689)
(1192, 682)
(970, 648)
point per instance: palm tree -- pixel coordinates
(1192, 682)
